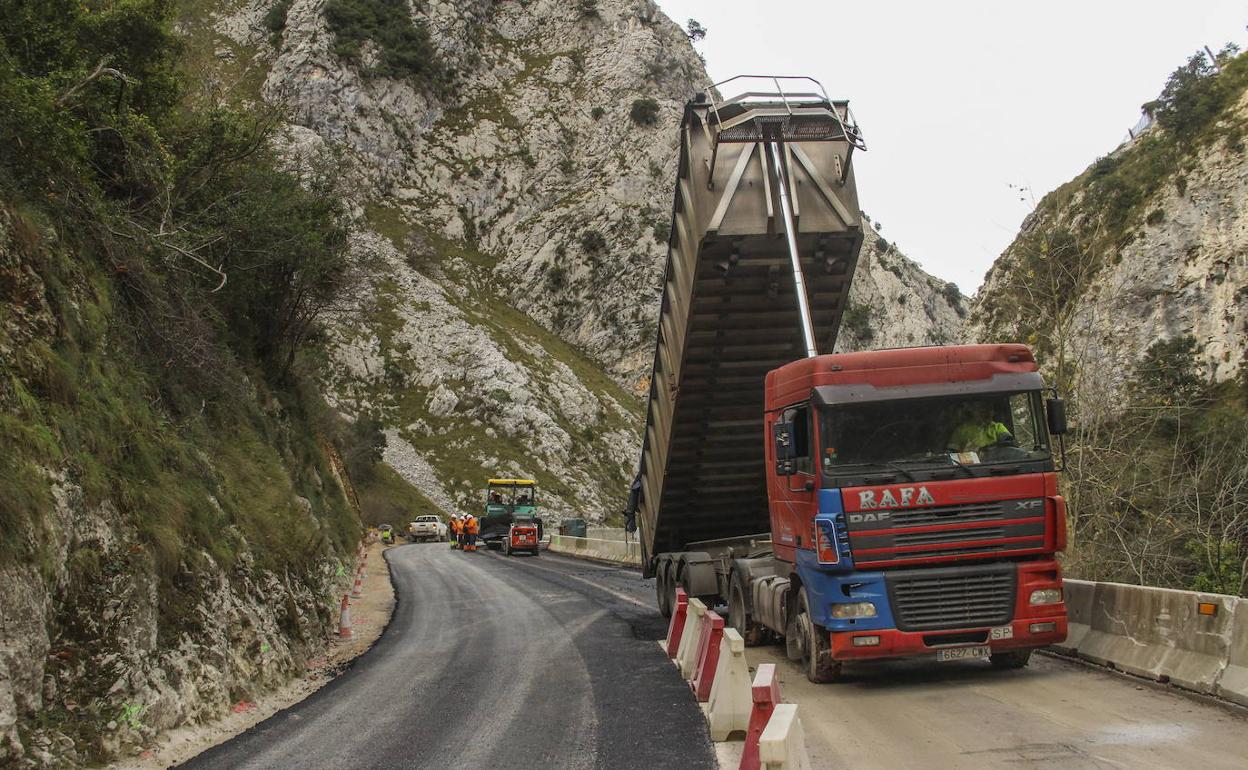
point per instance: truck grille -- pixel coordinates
(948, 514)
(955, 597)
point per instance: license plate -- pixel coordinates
(962, 653)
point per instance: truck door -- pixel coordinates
(792, 498)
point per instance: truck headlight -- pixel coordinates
(853, 610)
(1046, 596)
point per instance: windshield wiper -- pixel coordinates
(891, 466)
(948, 459)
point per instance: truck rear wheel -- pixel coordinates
(815, 646)
(663, 588)
(753, 633)
(1009, 660)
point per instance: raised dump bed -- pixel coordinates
(781, 151)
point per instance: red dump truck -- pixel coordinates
(858, 506)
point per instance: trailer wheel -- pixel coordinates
(663, 588)
(1010, 660)
(753, 633)
(816, 648)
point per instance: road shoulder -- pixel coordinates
(370, 614)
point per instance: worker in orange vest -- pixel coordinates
(457, 531)
(471, 529)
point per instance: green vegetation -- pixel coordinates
(275, 18)
(387, 499)
(644, 111)
(857, 320)
(1159, 491)
(404, 47)
(163, 285)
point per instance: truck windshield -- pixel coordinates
(966, 430)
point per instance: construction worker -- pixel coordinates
(456, 531)
(472, 528)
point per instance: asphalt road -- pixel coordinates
(494, 662)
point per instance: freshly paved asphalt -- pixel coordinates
(495, 662)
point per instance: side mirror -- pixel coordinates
(783, 434)
(1055, 409)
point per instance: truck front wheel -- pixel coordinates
(815, 646)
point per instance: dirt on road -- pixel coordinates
(370, 614)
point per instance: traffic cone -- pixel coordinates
(344, 619)
(359, 578)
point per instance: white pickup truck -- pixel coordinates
(428, 527)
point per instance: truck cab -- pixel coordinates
(913, 495)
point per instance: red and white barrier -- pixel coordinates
(708, 656)
(677, 625)
(344, 619)
(766, 696)
(728, 708)
(782, 746)
(687, 654)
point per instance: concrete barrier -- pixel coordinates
(1233, 684)
(616, 551)
(782, 745)
(687, 653)
(728, 709)
(708, 656)
(1159, 633)
(1078, 597)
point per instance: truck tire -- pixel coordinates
(753, 633)
(814, 646)
(1010, 660)
(663, 587)
(506, 547)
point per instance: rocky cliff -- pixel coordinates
(1147, 245)
(893, 303)
(519, 220)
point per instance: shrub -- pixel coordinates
(662, 231)
(1193, 97)
(406, 49)
(644, 112)
(695, 31)
(275, 19)
(857, 320)
(597, 112)
(593, 242)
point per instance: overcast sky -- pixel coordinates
(959, 99)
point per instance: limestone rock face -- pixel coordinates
(893, 303)
(1182, 271)
(517, 222)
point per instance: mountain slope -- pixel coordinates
(1147, 244)
(519, 206)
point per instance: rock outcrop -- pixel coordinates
(519, 224)
(1176, 267)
